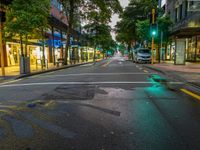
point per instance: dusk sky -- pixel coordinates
(115, 18)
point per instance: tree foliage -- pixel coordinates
(26, 16)
(127, 28)
(143, 29)
(89, 10)
(100, 36)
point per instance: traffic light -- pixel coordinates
(154, 29)
(153, 24)
(153, 17)
(2, 16)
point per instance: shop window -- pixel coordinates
(176, 15)
(191, 49)
(198, 49)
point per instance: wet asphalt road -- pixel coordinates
(112, 105)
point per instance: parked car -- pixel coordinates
(142, 55)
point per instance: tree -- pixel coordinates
(25, 17)
(126, 28)
(143, 31)
(85, 9)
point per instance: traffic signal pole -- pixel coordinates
(152, 45)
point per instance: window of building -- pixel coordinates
(186, 8)
(176, 15)
(180, 11)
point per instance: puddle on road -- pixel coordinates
(161, 81)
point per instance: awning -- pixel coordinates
(186, 32)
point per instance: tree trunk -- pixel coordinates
(94, 57)
(21, 44)
(43, 50)
(26, 43)
(61, 37)
(166, 45)
(159, 49)
(129, 52)
(69, 29)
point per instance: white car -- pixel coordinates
(142, 55)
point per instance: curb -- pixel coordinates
(51, 70)
(155, 69)
(194, 87)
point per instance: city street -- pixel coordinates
(110, 105)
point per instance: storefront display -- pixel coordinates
(193, 49)
(13, 51)
(34, 52)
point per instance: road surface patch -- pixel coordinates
(49, 126)
(2, 133)
(191, 94)
(20, 128)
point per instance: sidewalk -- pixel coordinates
(189, 73)
(13, 72)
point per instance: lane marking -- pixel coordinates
(145, 71)
(106, 64)
(80, 83)
(14, 81)
(94, 74)
(191, 94)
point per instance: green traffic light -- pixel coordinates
(154, 33)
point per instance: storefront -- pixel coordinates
(193, 48)
(13, 54)
(34, 52)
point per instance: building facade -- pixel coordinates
(55, 41)
(185, 31)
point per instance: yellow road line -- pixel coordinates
(191, 94)
(106, 64)
(146, 71)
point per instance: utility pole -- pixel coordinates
(2, 18)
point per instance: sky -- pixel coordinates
(115, 17)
